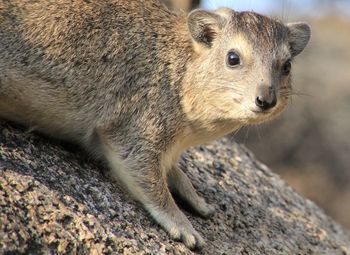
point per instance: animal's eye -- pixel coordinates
(286, 67)
(233, 59)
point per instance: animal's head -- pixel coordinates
(241, 66)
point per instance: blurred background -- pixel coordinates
(309, 145)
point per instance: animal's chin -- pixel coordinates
(261, 112)
(260, 116)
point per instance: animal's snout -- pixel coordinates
(265, 97)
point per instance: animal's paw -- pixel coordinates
(203, 209)
(206, 210)
(188, 235)
(179, 227)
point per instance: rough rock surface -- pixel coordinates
(55, 200)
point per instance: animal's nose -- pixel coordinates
(266, 98)
(264, 103)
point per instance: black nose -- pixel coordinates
(264, 103)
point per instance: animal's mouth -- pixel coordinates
(258, 116)
(263, 112)
(260, 112)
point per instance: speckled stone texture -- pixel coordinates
(54, 199)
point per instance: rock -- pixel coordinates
(55, 199)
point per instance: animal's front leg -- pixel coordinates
(140, 172)
(181, 185)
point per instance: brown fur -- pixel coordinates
(136, 84)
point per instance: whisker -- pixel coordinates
(292, 92)
(246, 134)
(258, 132)
(288, 94)
(234, 133)
(302, 94)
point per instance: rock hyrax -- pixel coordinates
(136, 84)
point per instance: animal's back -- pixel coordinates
(65, 64)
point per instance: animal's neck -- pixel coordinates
(178, 49)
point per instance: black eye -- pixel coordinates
(286, 68)
(233, 59)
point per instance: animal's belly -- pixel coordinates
(46, 119)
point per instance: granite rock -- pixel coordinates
(55, 199)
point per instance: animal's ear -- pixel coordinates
(299, 36)
(204, 26)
